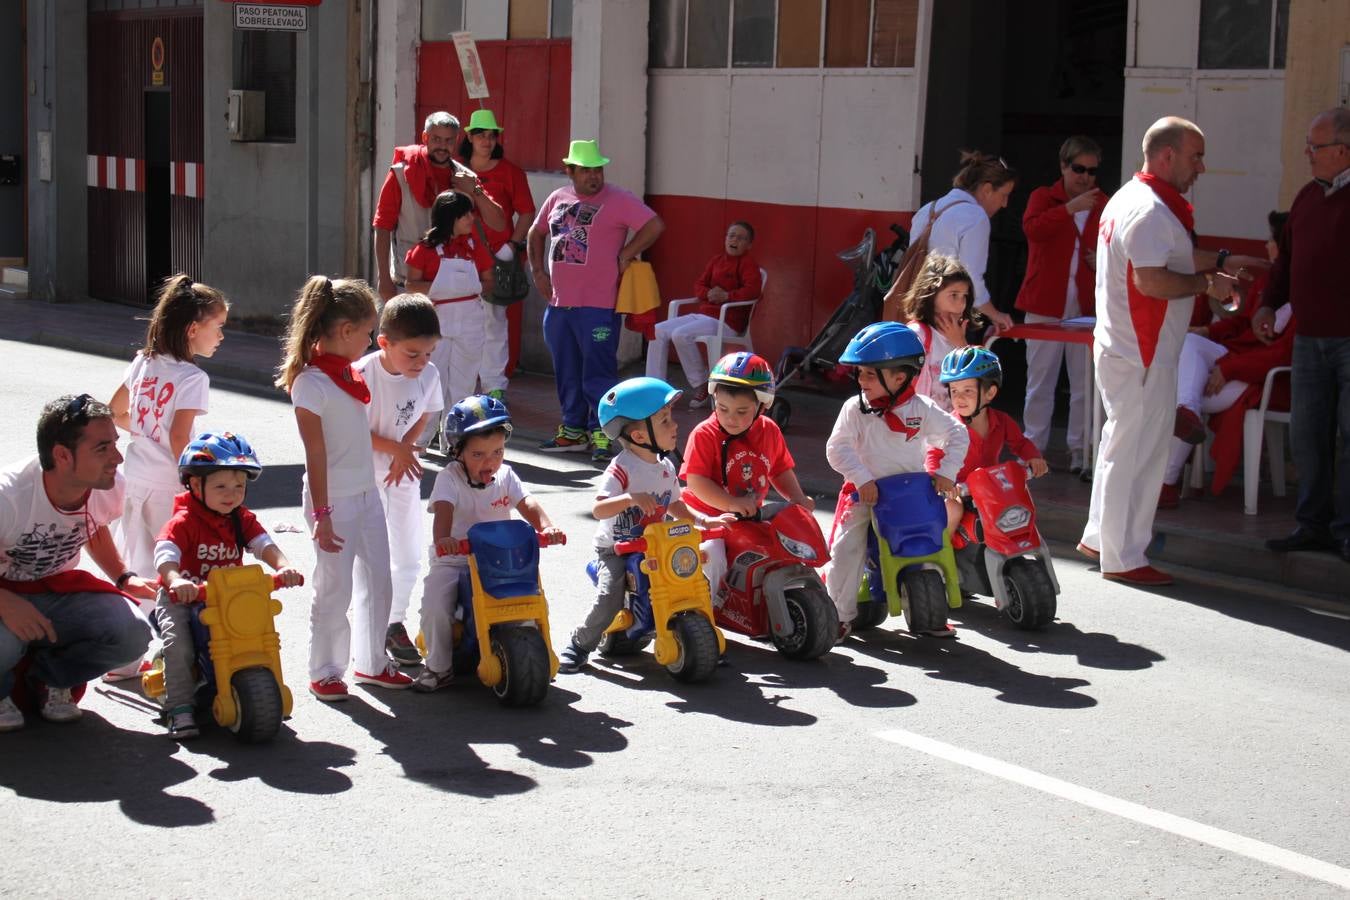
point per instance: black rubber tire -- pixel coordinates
(697, 642)
(781, 413)
(1031, 594)
(870, 614)
(619, 644)
(524, 661)
(815, 623)
(257, 697)
(925, 599)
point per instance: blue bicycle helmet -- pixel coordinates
(885, 345)
(211, 452)
(971, 362)
(634, 400)
(477, 413)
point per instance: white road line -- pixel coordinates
(1187, 828)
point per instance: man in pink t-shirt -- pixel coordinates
(579, 247)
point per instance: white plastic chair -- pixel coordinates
(724, 335)
(1258, 423)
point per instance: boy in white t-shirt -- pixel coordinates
(640, 486)
(475, 486)
(405, 393)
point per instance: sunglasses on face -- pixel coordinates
(1078, 169)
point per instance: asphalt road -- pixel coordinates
(1186, 744)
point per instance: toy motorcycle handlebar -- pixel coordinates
(639, 545)
(963, 489)
(462, 547)
(201, 588)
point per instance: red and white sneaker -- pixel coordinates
(390, 678)
(330, 690)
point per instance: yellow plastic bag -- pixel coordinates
(638, 292)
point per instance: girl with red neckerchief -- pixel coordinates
(331, 327)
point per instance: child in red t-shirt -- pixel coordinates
(452, 266)
(973, 376)
(730, 276)
(737, 453)
(210, 529)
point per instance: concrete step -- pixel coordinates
(13, 291)
(15, 276)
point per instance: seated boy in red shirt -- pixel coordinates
(973, 376)
(735, 454)
(729, 277)
(210, 529)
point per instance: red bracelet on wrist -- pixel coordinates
(322, 512)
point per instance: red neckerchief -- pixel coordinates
(339, 369)
(894, 422)
(1172, 198)
(417, 171)
(223, 526)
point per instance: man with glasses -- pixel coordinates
(1061, 228)
(1307, 273)
(417, 175)
(71, 624)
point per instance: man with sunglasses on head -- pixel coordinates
(71, 624)
(1307, 273)
(417, 175)
(1061, 228)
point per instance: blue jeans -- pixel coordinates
(94, 633)
(1319, 411)
(584, 342)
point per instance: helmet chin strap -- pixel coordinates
(650, 448)
(477, 486)
(892, 397)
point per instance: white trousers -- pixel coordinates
(681, 331)
(439, 594)
(407, 539)
(356, 576)
(1043, 362)
(460, 349)
(848, 557)
(146, 509)
(492, 363)
(715, 569)
(1140, 411)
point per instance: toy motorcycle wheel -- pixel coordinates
(815, 623)
(258, 701)
(697, 640)
(870, 615)
(780, 412)
(524, 661)
(924, 598)
(616, 643)
(1031, 595)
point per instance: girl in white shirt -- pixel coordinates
(161, 395)
(331, 327)
(939, 308)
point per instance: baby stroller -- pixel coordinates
(872, 277)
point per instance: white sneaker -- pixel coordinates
(59, 707)
(10, 717)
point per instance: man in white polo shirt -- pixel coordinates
(1148, 272)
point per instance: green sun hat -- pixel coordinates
(483, 120)
(585, 154)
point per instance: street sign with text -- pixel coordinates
(267, 17)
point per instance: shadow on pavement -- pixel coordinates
(430, 736)
(1295, 620)
(855, 684)
(579, 475)
(1094, 649)
(93, 761)
(951, 660)
(286, 764)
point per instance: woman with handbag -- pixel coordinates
(504, 182)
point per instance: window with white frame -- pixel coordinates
(785, 34)
(1243, 34)
(525, 19)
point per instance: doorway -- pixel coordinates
(158, 192)
(1016, 79)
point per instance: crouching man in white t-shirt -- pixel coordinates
(71, 624)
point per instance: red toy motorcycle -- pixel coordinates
(999, 551)
(771, 589)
